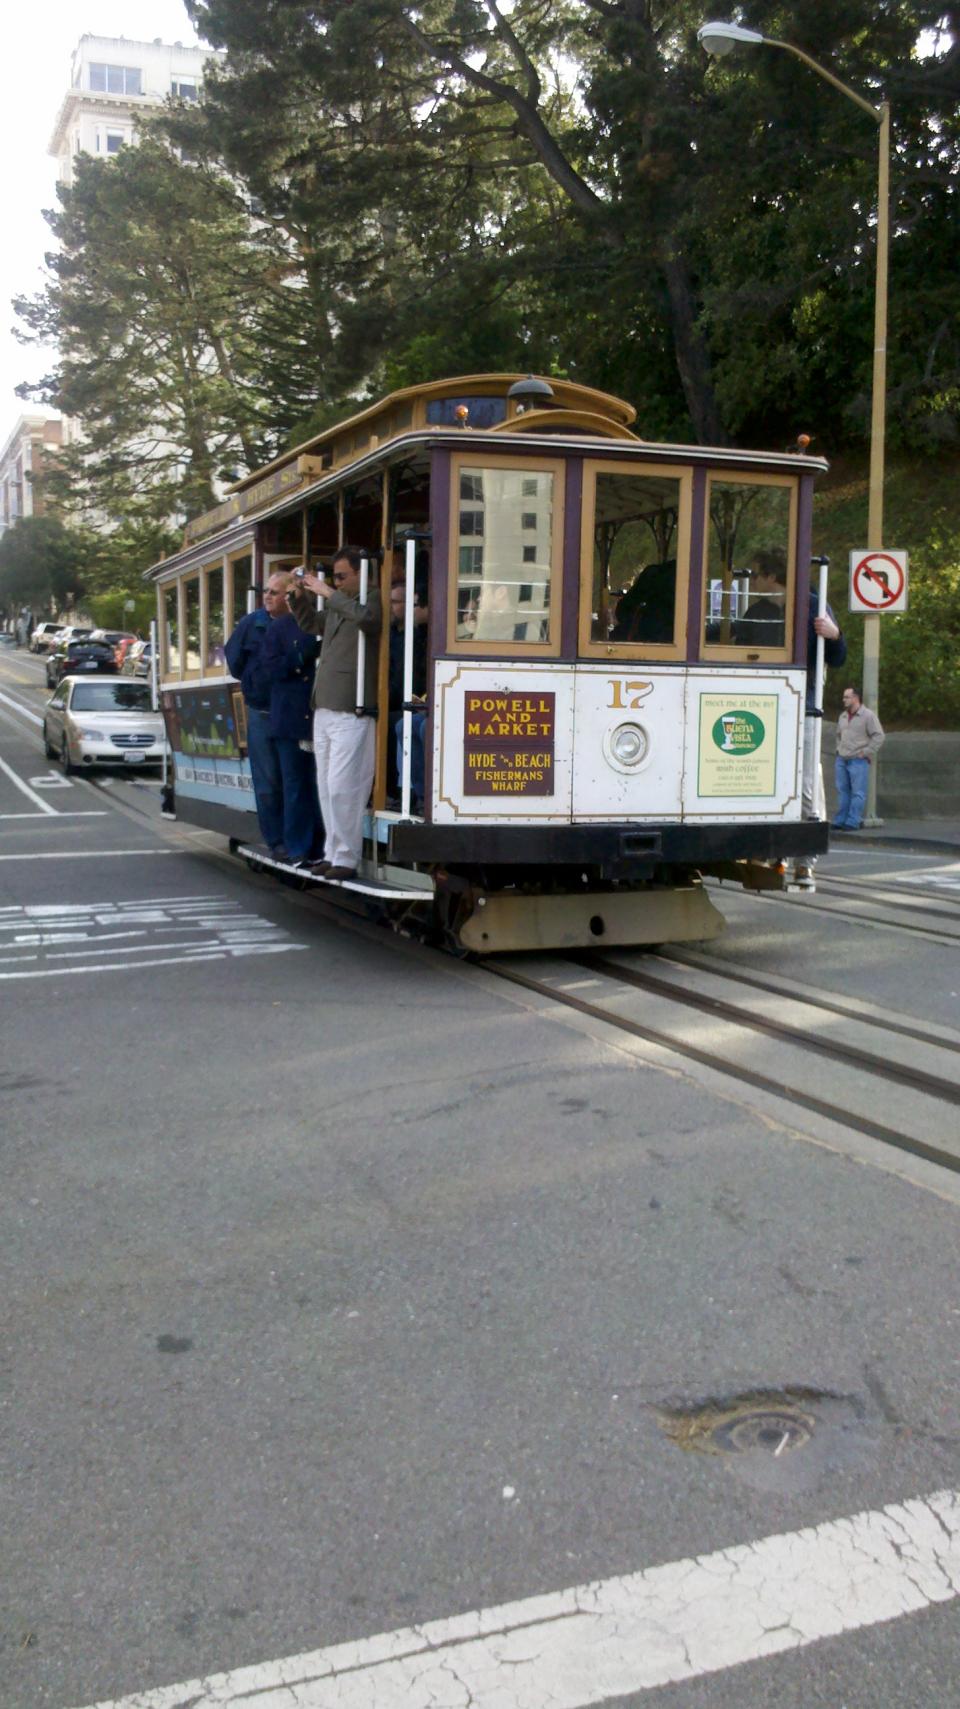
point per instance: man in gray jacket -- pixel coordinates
(859, 737)
(344, 741)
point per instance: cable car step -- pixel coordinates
(393, 884)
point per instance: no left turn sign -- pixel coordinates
(878, 581)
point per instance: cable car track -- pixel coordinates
(930, 934)
(844, 1058)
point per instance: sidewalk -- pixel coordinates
(928, 836)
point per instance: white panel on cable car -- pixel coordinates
(744, 745)
(502, 742)
(628, 743)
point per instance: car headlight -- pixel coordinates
(628, 744)
(90, 735)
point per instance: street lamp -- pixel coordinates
(720, 38)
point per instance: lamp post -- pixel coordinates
(719, 39)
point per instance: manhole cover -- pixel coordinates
(766, 1430)
(757, 1423)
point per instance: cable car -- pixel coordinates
(616, 658)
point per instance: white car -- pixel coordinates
(103, 720)
(42, 636)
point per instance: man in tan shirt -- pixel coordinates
(344, 741)
(859, 737)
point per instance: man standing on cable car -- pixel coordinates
(282, 780)
(344, 740)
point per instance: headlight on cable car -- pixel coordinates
(629, 744)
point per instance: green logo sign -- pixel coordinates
(738, 732)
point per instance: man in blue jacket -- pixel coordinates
(272, 659)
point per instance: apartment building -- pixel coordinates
(113, 80)
(26, 452)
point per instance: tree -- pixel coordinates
(42, 564)
(154, 301)
(717, 217)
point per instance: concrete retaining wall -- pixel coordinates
(919, 775)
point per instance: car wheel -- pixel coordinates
(66, 763)
(48, 749)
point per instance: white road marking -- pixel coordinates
(89, 854)
(92, 813)
(25, 789)
(167, 934)
(24, 711)
(621, 1635)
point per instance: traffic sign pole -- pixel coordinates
(871, 624)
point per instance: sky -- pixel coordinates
(39, 40)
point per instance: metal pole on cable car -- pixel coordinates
(406, 758)
(362, 639)
(819, 803)
(155, 692)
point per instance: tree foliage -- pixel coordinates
(155, 300)
(582, 179)
(42, 564)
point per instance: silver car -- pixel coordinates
(103, 720)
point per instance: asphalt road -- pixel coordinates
(346, 1288)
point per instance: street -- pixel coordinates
(360, 1303)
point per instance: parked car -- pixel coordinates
(79, 658)
(123, 647)
(69, 632)
(113, 637)
(107, 721)
(137, 660)
(42, 636)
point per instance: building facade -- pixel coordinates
(25, 454)
(113, 80)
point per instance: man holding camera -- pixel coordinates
(344, 735)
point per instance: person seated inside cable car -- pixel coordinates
(418, 719)
(645, 611)
(763, 624)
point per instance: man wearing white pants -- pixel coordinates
(344, 740)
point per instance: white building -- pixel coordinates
(28, 448)
(112, 81)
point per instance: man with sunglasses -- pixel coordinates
(344, 740)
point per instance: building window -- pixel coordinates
(114, 142)
(529, 519)
(116, 79)
(529, 554)
(183, 90)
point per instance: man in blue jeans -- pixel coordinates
(859, 737)
(273, 661)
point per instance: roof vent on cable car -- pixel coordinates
(530, 393)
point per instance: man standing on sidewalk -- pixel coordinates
(344, 736)
(859, 737)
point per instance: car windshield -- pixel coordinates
(111, 697)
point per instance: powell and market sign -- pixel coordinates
(281, 482)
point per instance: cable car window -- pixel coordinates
(191, 609)
(748, 587)
(241, 574)
(481, 412)
(170, 631)
(215, 613)
(507, 537)
(636, 531)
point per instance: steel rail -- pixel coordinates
(685, 957)
(916, 1078)
(761, 1082)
